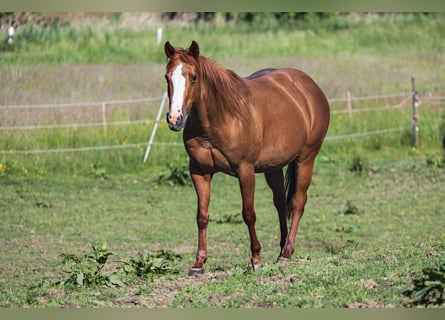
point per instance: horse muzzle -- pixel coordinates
(176, 124)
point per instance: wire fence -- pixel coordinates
(74, 125)
(404, 99)
(79, 104)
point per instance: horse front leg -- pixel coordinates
(246, 177)
(201, 183)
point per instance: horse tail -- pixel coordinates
(290, 186)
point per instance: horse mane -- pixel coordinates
(227, 91)
(227, 88)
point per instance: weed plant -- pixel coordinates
(146, 266)
(87, 269)
(429, 287)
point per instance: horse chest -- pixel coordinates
(209, 158)
(220, 162)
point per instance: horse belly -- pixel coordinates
(279, 153)
(284, 137)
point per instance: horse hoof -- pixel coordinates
(257, 267)
(196, 271)
(282, 261)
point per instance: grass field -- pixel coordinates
(363, 240)
(374, 218)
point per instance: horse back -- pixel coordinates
(292, 108)
(289, 90)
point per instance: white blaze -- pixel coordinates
(178, 82)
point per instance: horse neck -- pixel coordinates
(223, 97)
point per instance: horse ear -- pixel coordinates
(169, 49)
(194, 49)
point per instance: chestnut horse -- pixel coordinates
(242, 126)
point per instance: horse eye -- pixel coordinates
(193, 78)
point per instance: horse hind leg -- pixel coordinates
(297, 197)
(275, 181)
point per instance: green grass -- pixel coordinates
(354, 35)
(373, 218)
(343, 257)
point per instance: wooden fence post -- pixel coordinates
(415, 104)
(104, 117)
(348, 95)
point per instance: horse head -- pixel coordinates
(182, 83)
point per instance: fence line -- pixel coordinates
(84, 104)
(176, 144)
(364, 134)
(75, 125)
(63, 150)
(130, 101)
(395, 106)
(373, 97)
(432, 100)
(436, 98)
(79, 104)
(98, 124)
(436, 103)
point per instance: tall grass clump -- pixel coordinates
(248, 37)
(55, 44)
